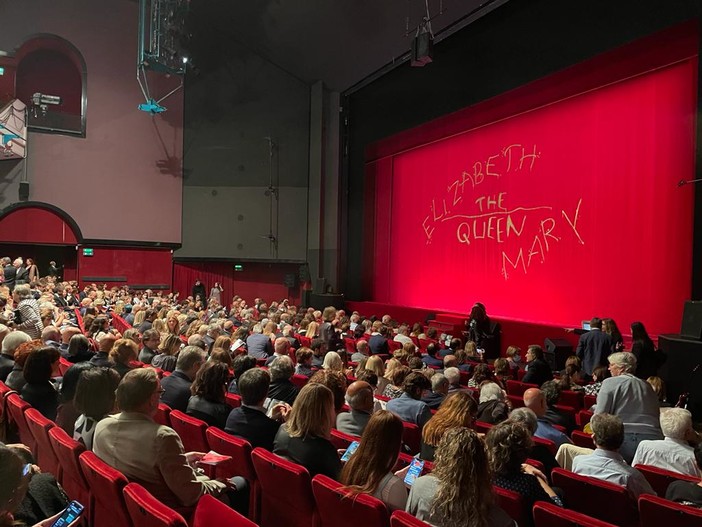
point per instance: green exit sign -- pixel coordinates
(238, 267)
(87, 252)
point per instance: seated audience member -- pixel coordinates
(258, 345)
(369, 471)
(633, 400)
(535, 400)
(78, 349)
(430, 359)
(133, 335)
(538, 451)
(503, 373)
(176, 387)
(303, 356)
(167, 356)
(453, 347)
(450, 361)
(509, 444)
(378, 342)
(250, 421)
(395, 374)
(514, 359)
(658, 386)
(240, 364)
(672, 453)
(94, 400)
(9, 345)
(459, 409)
(101, 359)
(538, 370)
(552, 392)
(207, 402)
(15, 380)
(439, 391)
(375, 364)
(282, 388)
(122, 354)
(458, 491)
(409, 406)
(66, 414)
(332, 361)
(319, 351)
(403, 335)
(146, 451)
(362, 351)
(453, 375)
(606, 463)
(150, 340)
(570, 378)
(221, 355)
(197, 340)
(281, 348)
(39, 391)
(463, 361)
(336, 382)
(481, 373)
(599, 374)
(359, 397)
(687, 492)
(304, 438)
(492, 407)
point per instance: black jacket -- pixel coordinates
(283, 391)
(538, 373)
(214, 414)
(252, 425)
(316, 454)
(378, 344)
(177, 390)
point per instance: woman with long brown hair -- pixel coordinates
(457, 410)
(167, 354)
(458, 492)
(369, 471)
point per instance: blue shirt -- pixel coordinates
(432, 361)
(544, 430)
(610, 466)
(410, 410)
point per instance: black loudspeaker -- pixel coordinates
(24, 191)
(561, 350)
(422, 50)
(290, 280)
(320, 286)
(692, 320)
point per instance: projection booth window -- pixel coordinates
(51, 81)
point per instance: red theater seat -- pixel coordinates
(340, 440)
(67, 452)
(337, 509)
(589, 401)
(192, 431)
(571, 398)
(240, 464)
(412, 436)
(516, 400)
(550, 515)
(299, 380)
(518, 387)
(163, 413)
(512, 503)
(482, 427)
(582, 439)
(286, 491)
(39, 426)
(547, 443)
(405, 519)
(660, 478)
(600, 499)
(147, 511)
(659, 512)
(211, 512)
(233, 400)
(16, 406)
(583, 417)
(107, 506)
(64, 365)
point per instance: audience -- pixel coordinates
(552, 392)
(282, 388)
(123, 355)
(151, 340)
(258, 345)
(492, 407)
(208, 394)
(453, 375)
(395, 373)
(481, 373)
(438, 393)
(78, 349)
(538, 370)
(535, 400)
(430, 359)
(687, 492)
(15, 380)
(409, 406)
(176, 387)
(458, 410)
(375, 364)
(538, 451)
(598, 375)
(336, 382)
(359, 397)
(94, 400)
(39, 391)
(362, 351)
(66, 414)
(167, 356)
(9, 345)
(593, 347)
(240, 364)
(281, 348)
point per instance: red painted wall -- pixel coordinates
(137, 267)
(34, 225)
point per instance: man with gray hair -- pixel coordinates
(359, 397)
(258, 345)
(7, 358)
(281, 388)
(672, 453)
(28, 309)
(453, 375)
(439, 391)
(633, 400)
(176, 387)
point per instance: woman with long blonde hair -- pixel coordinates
(312, 330)
(375, 364)
(458, 492)
(458, 409)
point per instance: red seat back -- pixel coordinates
(657, 512)
(512, 503)
(340, 440)
(299, 380)
(393, 346)
(337, 509)
(39, 426)
(305, 341)
(107, 506)
(212, 512)
(240, 464)
(516, 400)
(16, 406)
(350, 345)
(64, 365)
(67, 451)
(405, 519)
(482, 427)
(233, 400)
(599, 499)
(518, 387)
(163, 415)
(571, 398)
(192, 431)
(589, 401)
(286, 491)
(582, 439)
(412, 436)
(547, 443)
(147, 511)
(660, 478)
(550, 515)
(583, 417)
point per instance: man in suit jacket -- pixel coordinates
(146, 451)
(250, 421)
(538, 370)
(359, 396)
(259, 346)
(409, 406)
(378, 342)
(282, 388)
(594, 347)
(176, 387)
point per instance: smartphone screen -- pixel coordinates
(350, 450)
(415, 470)
(70, 515)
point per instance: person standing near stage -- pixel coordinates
(199, 291)
(594, 347)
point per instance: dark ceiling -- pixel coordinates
(340, 42)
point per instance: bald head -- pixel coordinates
(50, 333)
(359, 396)
(67, 333)
(534, 400)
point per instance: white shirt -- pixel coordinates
(403, 339)
(669, 454)
(610, 466)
